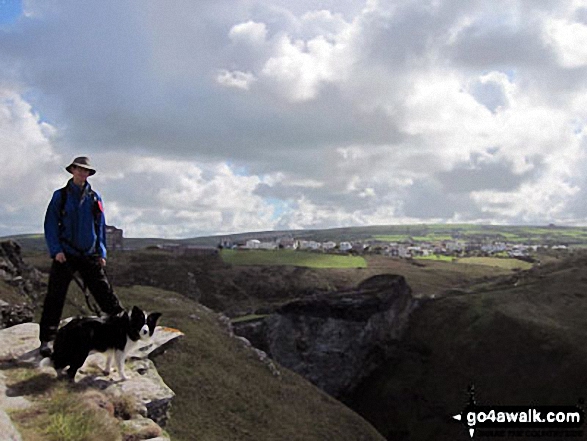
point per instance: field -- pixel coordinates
(513, 234)
(291, 257)
(496, 261)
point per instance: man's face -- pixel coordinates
(80, 174)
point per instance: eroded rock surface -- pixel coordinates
(22, 283)
(336, 340)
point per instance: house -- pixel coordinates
(287, 243)
(308, 245)
(326, 246)
(454, 246)
(403, 251)
(268, 246)
(359, 247)
(253, 244)
(225, 242)
(345, 246)
(114, 238)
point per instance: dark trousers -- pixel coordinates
(60, 277)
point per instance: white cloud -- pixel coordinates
(249, 32)
(156, 195)
(29, 165)
(568, 38)
(236, 79)
(354, 113)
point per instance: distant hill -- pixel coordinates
(545, 235)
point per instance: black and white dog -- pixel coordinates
(115, 335)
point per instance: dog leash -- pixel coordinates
(82, 285)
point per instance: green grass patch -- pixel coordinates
(436, 257)
(62, 413)
(392, 237)
(291, 258)
(497, 262)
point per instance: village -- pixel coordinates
(407, 248)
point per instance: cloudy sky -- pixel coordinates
(224, 116)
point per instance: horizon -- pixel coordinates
(208, 118)
(268, 232)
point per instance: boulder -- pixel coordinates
(336, 340)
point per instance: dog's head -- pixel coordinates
(142, 326)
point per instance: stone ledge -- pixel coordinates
(19, 347)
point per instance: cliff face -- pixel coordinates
(20, 286)
(338, 340)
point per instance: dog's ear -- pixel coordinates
(152, 321)
(136, 311)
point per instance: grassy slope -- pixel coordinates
(291, 257)
(519, 344)
(225, 393)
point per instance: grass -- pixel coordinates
(224, 392)
(392, 237)
(291, 257)
(436, 257)
(61, 413)
(499, 262)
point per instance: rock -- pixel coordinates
(151, 397)
(141, 429)
(336, 340)
(23, 280)
(7, 429)
(11, 315)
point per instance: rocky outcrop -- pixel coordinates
(14, 314)
(336, 340)
(150, 397)
(22, 282)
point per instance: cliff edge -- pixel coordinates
(147, 397)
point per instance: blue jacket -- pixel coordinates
(77, 235)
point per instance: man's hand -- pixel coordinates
(60, 257)
(102, 262)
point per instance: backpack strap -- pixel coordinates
(96, 211)
(63, 193)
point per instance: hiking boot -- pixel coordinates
(44, 349)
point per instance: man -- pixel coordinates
(75, 232)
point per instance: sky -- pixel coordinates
(218, 117)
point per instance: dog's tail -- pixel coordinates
(47, 362)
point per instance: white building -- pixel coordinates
(309, 245)
(253, 244)
(345, 246)
(328, 245)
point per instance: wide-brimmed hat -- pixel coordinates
(81, 161)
